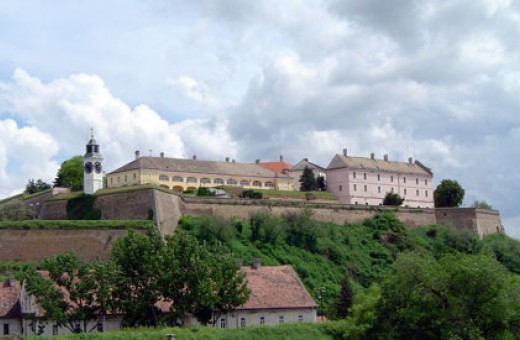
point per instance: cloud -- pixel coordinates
(197, 91)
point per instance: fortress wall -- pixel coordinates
(126, 205)
(481, 221)
(33, 245)
(488, 222)
(167, 211)
(53, 210)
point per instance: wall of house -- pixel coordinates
(31, 327)
(14, 326)
(369, 187)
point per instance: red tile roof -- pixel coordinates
(277, 167)
(275, 287)
(9, 299)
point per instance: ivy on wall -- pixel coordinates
(82, 208)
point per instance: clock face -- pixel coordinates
(88, 167)
(98, 167)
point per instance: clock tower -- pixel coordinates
(92, 175)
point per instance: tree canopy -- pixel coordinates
(448, 193)
(307, 180)
(70, 174)
(392, 198)
(481, 205)
(33, 186)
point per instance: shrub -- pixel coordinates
(250, 193)
(203, 191)
(82, 208)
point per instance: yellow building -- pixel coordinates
(188, 174)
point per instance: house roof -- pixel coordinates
(300, 166)
(277, 167)
(341, 161)
(9, 299)
(275, 287)
(196, 166)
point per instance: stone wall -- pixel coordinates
(480, 221)
(33, 245)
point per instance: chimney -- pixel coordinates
(410, 160)
(257, 161)
(162, 154)
(227, 159)
(136, 154)
(385, 157)
(194, 157)
(257, 263)
(372, 156)
(281, 158)
(345, 152)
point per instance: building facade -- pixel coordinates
(360, 180)
(297, 170)
(189, 174)
(92, 167)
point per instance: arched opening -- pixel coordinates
(178, 188)
(164, 186)
(257, 184)
(162, 178)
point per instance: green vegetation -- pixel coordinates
(448, 194)
(33, 186)
(14, 209)
(80, 224)
(271, 193)
(70, 174)
(481, 205)
(82, 208)
(250, 193)
(203, 191)
(392, 198)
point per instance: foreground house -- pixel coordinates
(361, 180)
(189, 174)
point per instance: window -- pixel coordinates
(262, 320)
(218, 181)
(257, 183)
(77, 328)
(99, 327)
(223, 323)
(55, 329)
(205, 180)
(300, 318)
(244, 182)
(177, 179)
(354, 174)
(404, 179)
(378, 177)
(355, 187)
(364, 175)
(391, 178)
(355, 202)
(417, 181)
(231, 181)
(281, 319)
(340, 187)
(191, 180)
(242, 322)
(417, 192)
(405, 191)
(365, 188)
(425, 182)
(126, 178)
(135, 175)
(269, 184)
(6, 328)
(426, 193)
(163, 178)
(378, 190)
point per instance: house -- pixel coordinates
(297, 170)
(188, 174)
(361, 180)
(277, 296)
(20, 315)
(279, 167)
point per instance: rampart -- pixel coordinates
(167, 208)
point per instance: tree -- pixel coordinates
(448, 194)
(73, 291)
(33, 187)
(141, 262)
(459, 296)
(392, 198)
(345, 298)
(70, 174)
(307, 180)
(481, 205)
(321, 183)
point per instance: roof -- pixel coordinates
(277, 167)
(196, 166)
(9, 299)
(300, 166)
(341, 161)
(275, 287)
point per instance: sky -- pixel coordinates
(437, 80)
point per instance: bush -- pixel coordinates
(250, 193)
(392, 198)
(82, 208)
(203, 191)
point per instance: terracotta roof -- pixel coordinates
(340, 161)
(9, 299)
(275, 287)
(196, 166)
(277, 167)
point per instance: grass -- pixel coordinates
(301, 331)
